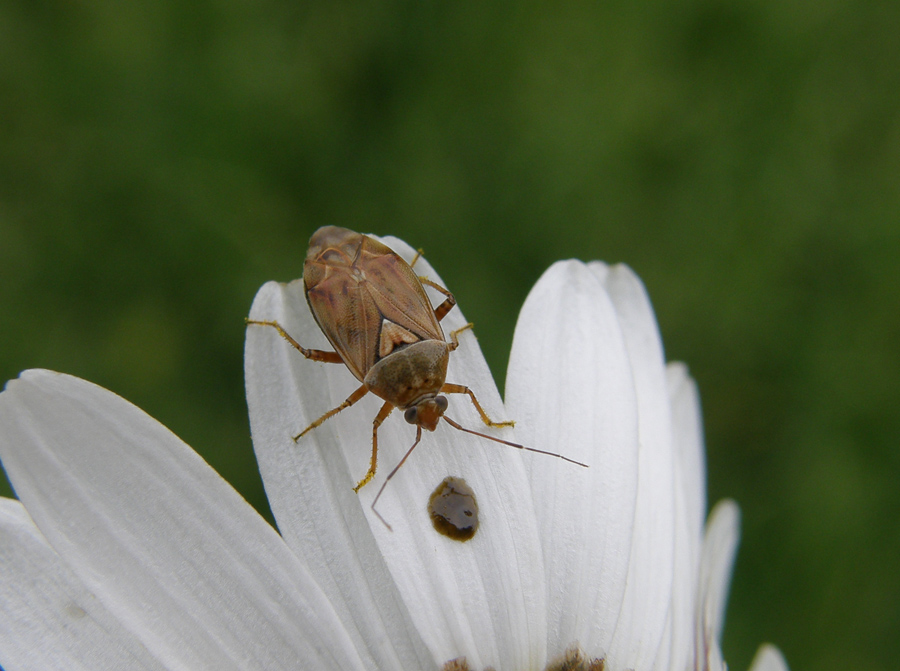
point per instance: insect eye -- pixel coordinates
(441, 402)
(411, 414)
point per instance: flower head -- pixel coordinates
(128, 551)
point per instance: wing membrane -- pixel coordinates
(355, 288)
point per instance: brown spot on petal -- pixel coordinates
(454, 510)
(574, 659)
(460, 664)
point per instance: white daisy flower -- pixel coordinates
(128, 552)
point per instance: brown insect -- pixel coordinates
(373, 309)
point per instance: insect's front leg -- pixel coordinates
(449, 388)
(351, 399)
(314, 354)
(373, 464)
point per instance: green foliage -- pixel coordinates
(160, 160)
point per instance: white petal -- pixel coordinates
(689, 505)
(48, 619)
(495, 580)
(308, 484)
(768, 658)
(716, 562)
(161, 540)
(640, 631)
(482, 599)
(570, 389)
(687, 428)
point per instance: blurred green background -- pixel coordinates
(160, 160)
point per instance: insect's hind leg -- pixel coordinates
(454, 337)
(441, 310)
(314, 354)
(449, 388)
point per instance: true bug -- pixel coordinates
(373, 309)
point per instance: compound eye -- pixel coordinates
(411, 415)
(441, 403)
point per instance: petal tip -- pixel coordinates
(769, 658)
(726, 512)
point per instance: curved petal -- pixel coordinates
(768, 658)
(164, 543)
(482, 599)
(48, 618)
(495, 580)
(687, 430)
(571, 390)
(641, 633)
(719, 548)
(309, 485)
(689, 504)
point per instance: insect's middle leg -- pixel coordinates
(314, 354)
(373, 464)
(449, 388)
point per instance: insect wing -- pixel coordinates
(346, 312)
(365, 298)
(397, 292)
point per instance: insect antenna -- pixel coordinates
(506, 442)
(391, 474)
(474, 433)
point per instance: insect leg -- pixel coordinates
(314, 354)
(441, 310)
(454, 341)
(351, 399)
(391, 474)
(373, 464)
(462, 389)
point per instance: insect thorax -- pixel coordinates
(410, 373)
